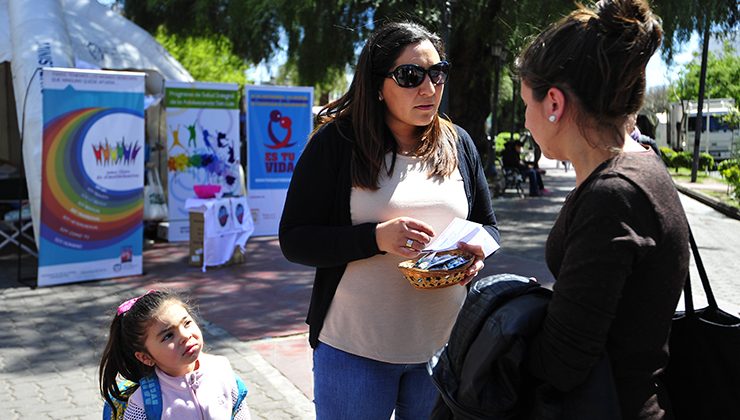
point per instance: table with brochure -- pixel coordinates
(226, 224)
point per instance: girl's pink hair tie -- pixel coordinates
(125, 306)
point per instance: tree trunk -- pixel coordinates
(470, 89)
(700, 105)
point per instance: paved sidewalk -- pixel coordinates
(50, 345)
(253, 313)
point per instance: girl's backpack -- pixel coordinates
(151, 393)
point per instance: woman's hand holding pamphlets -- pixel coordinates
(461, 230)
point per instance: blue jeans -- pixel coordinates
(347, 387)
(535, 181)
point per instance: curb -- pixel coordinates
(723, 208)
(271, 394)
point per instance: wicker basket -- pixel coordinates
(434, 279)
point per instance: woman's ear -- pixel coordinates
(144, 358)
(555, 103)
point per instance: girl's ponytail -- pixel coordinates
(117, 358)
(126, 337)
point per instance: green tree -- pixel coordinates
(656, 100)
(208, 58)
(681, 18)
(733, 117)
(723, 76)
(324, 36)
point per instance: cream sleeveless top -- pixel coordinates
(376, 313)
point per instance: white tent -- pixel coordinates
(69, 33)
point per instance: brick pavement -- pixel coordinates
(51, 338)
(50, 345)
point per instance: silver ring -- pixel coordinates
(409, 242)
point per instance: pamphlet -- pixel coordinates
(461, 230)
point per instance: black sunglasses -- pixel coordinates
(412, 75)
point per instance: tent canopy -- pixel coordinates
(68, 33)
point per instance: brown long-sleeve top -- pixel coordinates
(619, 254)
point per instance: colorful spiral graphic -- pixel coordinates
(77, 212)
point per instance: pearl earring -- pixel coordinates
(380, 96)
(552, 118)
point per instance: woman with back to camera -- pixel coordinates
(618, 249)
(378, 179)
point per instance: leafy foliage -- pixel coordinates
(502, 138)
(207, 58)
(667, 154)
(723, 77)
(732, 119)
(674, 159)
(706, 161)
(730, 171)
(323, 36)
(656, 100)
(680, 18)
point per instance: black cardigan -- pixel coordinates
(316, 227)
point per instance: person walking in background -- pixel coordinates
(154, 339)
(511, 158)
(618, 249)
(382, 174)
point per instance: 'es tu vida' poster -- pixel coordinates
(279, 121)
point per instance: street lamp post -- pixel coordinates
(497, 52)
(514, 79)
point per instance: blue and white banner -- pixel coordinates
(279, 121)
(92, 175)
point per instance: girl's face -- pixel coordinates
(173, 341)
(409, 108)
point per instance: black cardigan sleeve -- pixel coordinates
(476, 186)
(313, 229)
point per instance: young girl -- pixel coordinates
(154, 339)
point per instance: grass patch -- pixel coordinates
(684, 175)
(722, 195)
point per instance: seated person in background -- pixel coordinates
(527, 139)
(512, 159)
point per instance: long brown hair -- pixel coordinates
(360, 111)
(597, 57)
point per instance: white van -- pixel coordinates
(720, 140)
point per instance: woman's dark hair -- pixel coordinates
(360, 110)
(127, 336)
(597, 57)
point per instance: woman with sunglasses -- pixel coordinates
(381, 176)
(618, 249)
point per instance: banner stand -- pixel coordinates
(92, 175)
(279, 121)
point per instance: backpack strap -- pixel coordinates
(126, 388)
(151, 393)
(107, 411)
(242, 393)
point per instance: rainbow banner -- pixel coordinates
(92, 175)
(203, 146)
(279, 121)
